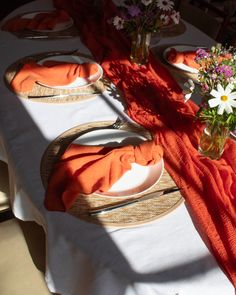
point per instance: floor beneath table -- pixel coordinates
(22, 248)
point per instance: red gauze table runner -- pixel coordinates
(155, 101)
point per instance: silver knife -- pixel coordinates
(48, 37)
(151, 195)
(63, 95)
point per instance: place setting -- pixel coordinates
(182, 57)
(167, 31)
(109, 187)
(41, 25)
(56, 77)
(180, 60)
(173, 29)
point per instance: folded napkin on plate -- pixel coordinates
(51, 73)
(86, 169)
(41, 21)
(184, 57)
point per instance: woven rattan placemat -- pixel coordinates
(43, 93)
(133, 215)
(70, 32)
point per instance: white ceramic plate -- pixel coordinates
(79, 82)
(58, 27)
(180, 65)
(139, 178)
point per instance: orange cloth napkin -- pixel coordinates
(86, 169)
(41, 21)
(184, 57)
(51, 73)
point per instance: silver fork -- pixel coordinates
(116, 125)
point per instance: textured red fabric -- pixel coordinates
(86, 169)
(155, 101)
(51, 73)
(41, 21)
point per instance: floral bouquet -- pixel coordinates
(146, 16)
(217, 87)
(140, 18)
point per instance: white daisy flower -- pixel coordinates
(165, 5)
(146, 2)
(175, 16)
(232, 80)
(165, 19)
(189, 89)
(118, 22)
(225, 99)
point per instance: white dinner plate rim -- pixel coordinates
(158, 167)
(180, 65)
(233, 135)
(79, 82)
(61, 26)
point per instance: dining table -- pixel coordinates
(151, 252)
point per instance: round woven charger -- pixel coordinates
(40, 91)
(174, 30)
(133, 215)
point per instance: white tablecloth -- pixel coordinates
(164, 257)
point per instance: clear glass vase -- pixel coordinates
(212, 141)
(140, 48)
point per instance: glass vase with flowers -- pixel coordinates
(217, 86)
(139, 19)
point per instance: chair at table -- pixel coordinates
(206, 16)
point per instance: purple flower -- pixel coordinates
(133, 10)
(225, 70)
(201, 53)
